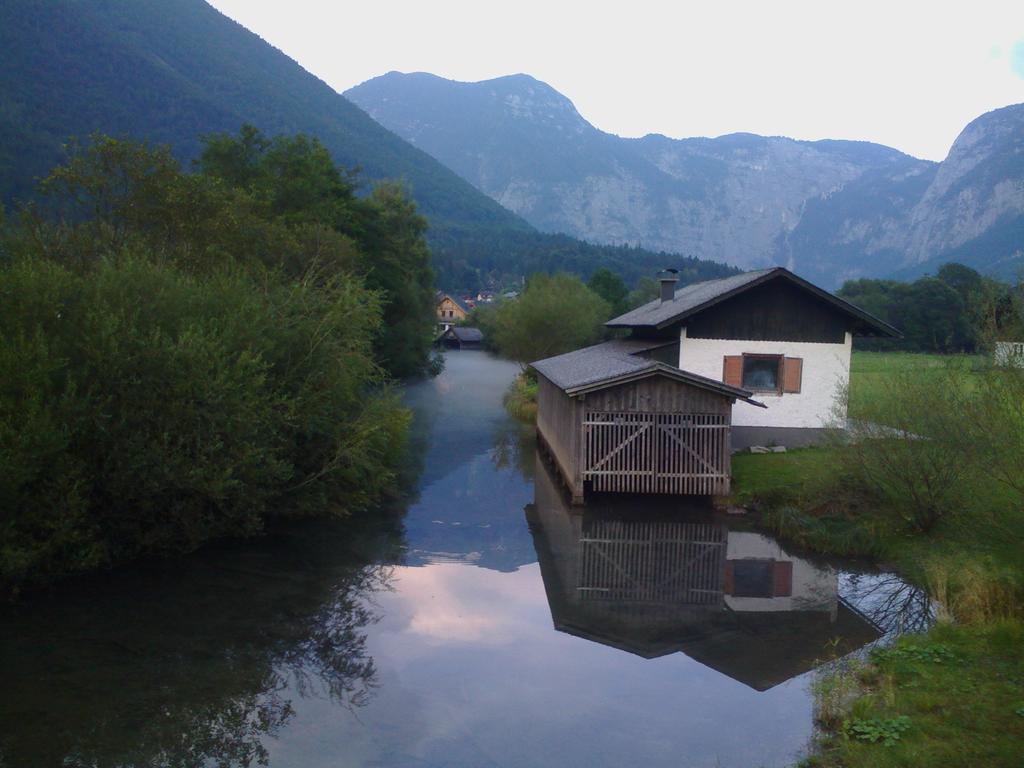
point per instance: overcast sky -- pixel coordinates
(906, 74)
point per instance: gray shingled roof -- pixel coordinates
(693, 298)
(616, 361)
(467, 334)
(687, 298)
(596, 363)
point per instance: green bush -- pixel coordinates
(183, 356)
(554, 314)
(144, 410)
(906, 454)
(874, 730)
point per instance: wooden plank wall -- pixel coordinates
(777, 310)
(651, 436)
(658, 395)
(657, 452)
(559, 422)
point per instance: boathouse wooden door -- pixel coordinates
(677, 453)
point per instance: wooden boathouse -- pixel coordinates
(612, 417)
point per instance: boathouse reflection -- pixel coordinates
(654, 580)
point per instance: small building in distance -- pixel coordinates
(460, 337)
(768, 332)
(450, 310)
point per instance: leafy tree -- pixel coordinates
(647, 289)
(967, 282)
(181, 359)
(400, 269)
(296, 183)
(554, 314)
(934, 316)
(610, 287)
(957, 310)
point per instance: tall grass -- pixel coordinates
(521, 398)
(970, 591)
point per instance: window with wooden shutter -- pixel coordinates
(782, 579)
(732, 370)
(792, 374)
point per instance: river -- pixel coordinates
(479, 622)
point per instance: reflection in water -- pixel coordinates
(659, 581)
(333, 645)
(477, 471)
(189, 662)
(894, 605)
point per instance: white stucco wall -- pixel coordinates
(814, 588)
(826, 376)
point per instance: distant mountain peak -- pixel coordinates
(832, 209)
(519, 97)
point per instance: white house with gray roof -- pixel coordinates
(769, 332)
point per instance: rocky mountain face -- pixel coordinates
(974, 209)
(832, 210)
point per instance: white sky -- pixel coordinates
(907, 74)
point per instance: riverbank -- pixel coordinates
(958, 686)
(165, 385)
(955, 694)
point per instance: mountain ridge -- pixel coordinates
(171, 71)
(832, 209)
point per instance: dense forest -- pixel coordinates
(188, 355)
(172, 71)
(500, 258)
(956, 310)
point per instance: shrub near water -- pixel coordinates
(521, 398)
(144, 410)
(183, 356)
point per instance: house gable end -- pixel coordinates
(659, 394)
(699, 298)
(776, 310)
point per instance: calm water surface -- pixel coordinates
(481, 624)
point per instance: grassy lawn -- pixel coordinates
(869, 372)
(959, 689)
(958, 692)
(989, 526)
